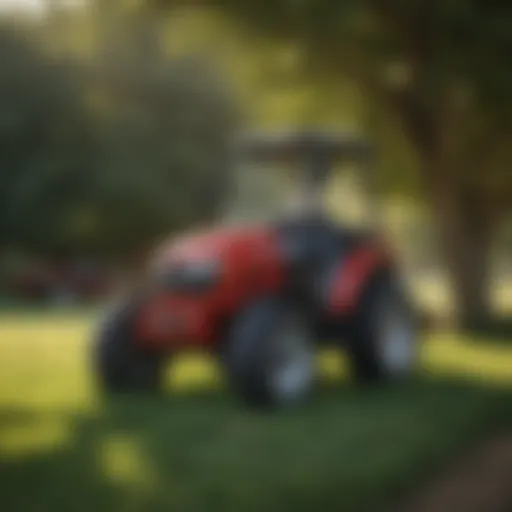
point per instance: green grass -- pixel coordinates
(196, 449)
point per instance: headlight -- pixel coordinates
(191, 276)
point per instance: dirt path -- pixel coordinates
(479, 482)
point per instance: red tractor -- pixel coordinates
(263, 297)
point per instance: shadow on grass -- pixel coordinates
(497, 329)
(348, 449)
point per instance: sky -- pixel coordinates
(31, 6)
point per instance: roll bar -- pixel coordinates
(315, 152)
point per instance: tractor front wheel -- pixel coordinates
(270, 355)
(119, 364)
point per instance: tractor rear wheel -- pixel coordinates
(383, 344)
(270, 354)
(120, 365)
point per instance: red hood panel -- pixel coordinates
(215, 244)
(250, 265)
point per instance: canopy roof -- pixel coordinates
(323, 147)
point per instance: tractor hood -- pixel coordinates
(216, 244)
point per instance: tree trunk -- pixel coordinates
(465, 236)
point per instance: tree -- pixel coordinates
(44, 144)
(165, 128)
(440, 70)
(106, 155)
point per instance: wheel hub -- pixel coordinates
(396, 340)
(292, 364)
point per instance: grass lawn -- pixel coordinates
(195, 449)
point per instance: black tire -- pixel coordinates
(370, 334)
(256, 349)
(120, 366)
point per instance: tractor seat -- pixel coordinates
(309, 242)
(314, 248)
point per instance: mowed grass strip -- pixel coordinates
(195, 449)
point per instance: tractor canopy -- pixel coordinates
(281, 171)
(304, 146)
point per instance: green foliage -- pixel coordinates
(44, 140)
(165, 133)
(439, 68)
(428, 73)
(107, 154)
